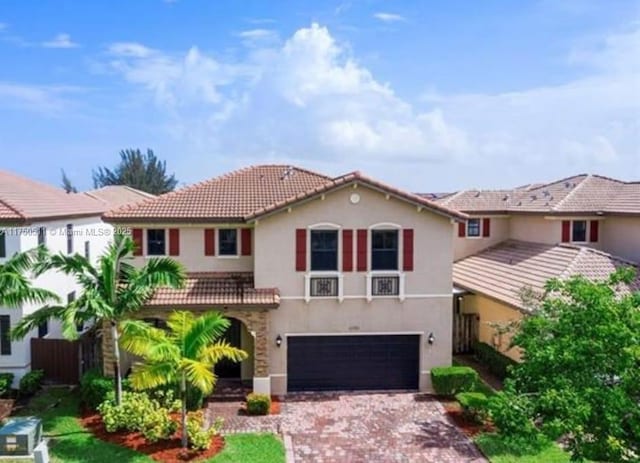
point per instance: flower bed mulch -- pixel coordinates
(166, 451)
(469, 427)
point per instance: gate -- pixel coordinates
(62, 361)
(465, 332)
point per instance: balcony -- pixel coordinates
(385, 285)
(323, 285)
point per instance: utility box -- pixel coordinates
(19, 436)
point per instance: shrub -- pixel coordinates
(258, 404)
(200, 437)
(497, 363)
(95, 388)
(31, 382)
(512, 415)
(474, 405)
(158, 425)
(6, 381)
(449, 381)
(130, 415)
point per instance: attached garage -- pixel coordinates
(362, 362)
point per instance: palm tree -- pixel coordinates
(185, 354)
(15, 285)
(111, 291)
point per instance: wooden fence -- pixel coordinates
(64, 362)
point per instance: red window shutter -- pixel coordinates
(462, 229)
(566, 231)
(174, 242)
(246, 241)
(486, 227)
(407, 250)
(347, 250)
(301, 250)
(136, 234)
(593, 231)
(362, 250)
(210, 242)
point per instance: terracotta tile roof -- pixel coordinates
(217, 289)
(580, 194)
(115, 196)
(23, 200)
(500, 272)
(250, 193)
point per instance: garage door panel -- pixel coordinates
(353, 362)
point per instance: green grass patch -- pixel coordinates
(499, 450)
(69, 442)
(251, 448)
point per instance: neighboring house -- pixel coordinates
(330, 283)
(114, 196)
(585, 224)
(33, 213)
(504, 283)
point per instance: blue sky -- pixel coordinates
(430, 96)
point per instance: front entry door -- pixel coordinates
(227, 368)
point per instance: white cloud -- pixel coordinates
(389, 17)
(258, 37)
(48, 100)
(308, 100)
(60, 41)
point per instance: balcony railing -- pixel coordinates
(385, 285)
(323, 286)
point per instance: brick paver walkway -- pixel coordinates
(360, 428)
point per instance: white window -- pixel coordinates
(227, 242)
(579, 231)
(70, 238)
(3, 244)
(473, 227)
(42, 236)
(156, 242)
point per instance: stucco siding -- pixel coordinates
(464, 247)
(621, 237)
(491, 311)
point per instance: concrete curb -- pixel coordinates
(288, 449)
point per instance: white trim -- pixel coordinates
(238, 244)
(587, 231)
(278, 375)
(323, 225)
(358, 333)
(319, 274)
(385, 225)
(381, 273)
(145, 242)
(406, 296)
(480, 228)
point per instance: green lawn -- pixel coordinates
(497, 452)
(70, 443)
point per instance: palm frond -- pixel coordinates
(140, 338)
(221, 350)
(162, 271)
(35, 319)
(199, 375)
(204, 330)
(23, 262)
(150, 375)
(179, 323)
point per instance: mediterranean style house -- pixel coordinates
(330, 283)
(517, 239)
(32, 214)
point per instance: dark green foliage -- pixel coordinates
(94, 388)
(497, 363)
(474, 404)
(258, 404)
(580, 375)
(31, 382)
(6, 380)
(448, 381)
(141, 171)
(66, 183)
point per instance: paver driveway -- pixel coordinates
(368, 428)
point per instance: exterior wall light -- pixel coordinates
(431, 339)
(278, 340)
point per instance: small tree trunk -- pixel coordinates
(183, 393)
(116, 362)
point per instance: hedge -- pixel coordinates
(497, 363)
(258, 404)
(448, 381)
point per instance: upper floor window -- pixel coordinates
(227, 242)
(384, 249)
(156, 242)
(5, 338)
(324, 250)
(579, 231)
(473, 227)
(87, 250)
(42, 236)
(3, 244)
(70, 238)
(43, 329)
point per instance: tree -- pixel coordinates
(580, 371)
(66, 183)
(141, 171)
(110, 291)
(185, 354)
(15, 286)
